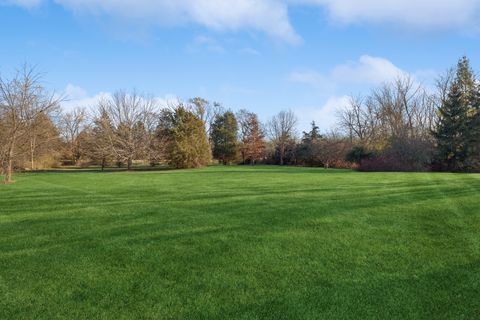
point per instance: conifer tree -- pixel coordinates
(224, 137)
(188, 145)
(452, 132)
(458, 124)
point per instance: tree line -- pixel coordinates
(400, 126)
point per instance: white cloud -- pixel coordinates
(268, 16)
(367, 70)
(325, 116)
(207, 43)
(417, 14)
(74, 92)
(76, 96)
(272, 16)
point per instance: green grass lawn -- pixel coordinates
(240, 243)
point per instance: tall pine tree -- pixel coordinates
(224, 133)
(452, 132)
(458, 130)
(455, 132)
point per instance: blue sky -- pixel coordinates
(263, 55)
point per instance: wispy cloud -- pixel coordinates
(268, 16)
(413, 14)
(325, 115)
(367, 70)
(76, 96)
(272, 16)
(249, 51)
(208, 43)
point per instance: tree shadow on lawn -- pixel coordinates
(97, 170)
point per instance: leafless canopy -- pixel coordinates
(132, 119)
(22, 99)
(402, 108)
(281, 130)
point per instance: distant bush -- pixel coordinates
(402, 154)
(358, 154)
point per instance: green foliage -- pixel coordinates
(452, 132)
(357, 154)
(309, 148)
(457, 129)
(187, 143)
(224, 132)
(313, 134)
(240, 243)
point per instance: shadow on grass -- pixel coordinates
(99, 170)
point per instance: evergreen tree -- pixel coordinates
(188, 145)
(224, 137)
(313, 134)
(457, 131)
(452, 132)
(308, 150)
(474, 130)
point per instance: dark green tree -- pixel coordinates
(357, 154)
(474, 130)
(223, 135)
(309, 148)
(456, 132)
(451, 132)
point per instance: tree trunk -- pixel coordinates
(103, 164)
(32, 162)
(282, 154)
(33, 145)
(9, 172)
(129, 164)
(32, 155)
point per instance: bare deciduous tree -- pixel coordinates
(243, 117)
(402, 108)
(22, 99)
(205, 111)
(252, 144)
(43, 137)
(281, 129)
(72, 124)
(358, 119)
(132, 120)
